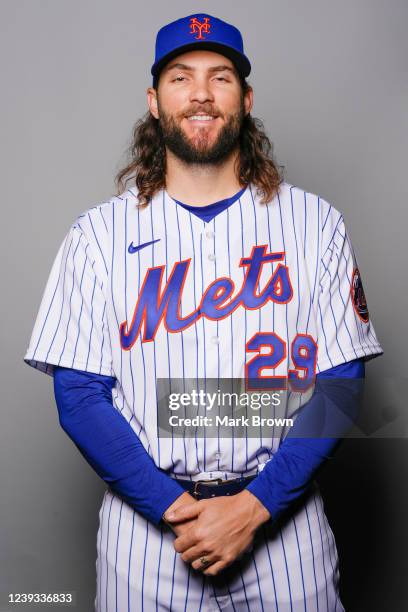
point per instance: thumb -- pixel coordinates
(183, 513)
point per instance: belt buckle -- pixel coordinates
(212, 482)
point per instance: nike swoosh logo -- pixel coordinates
(134, 249)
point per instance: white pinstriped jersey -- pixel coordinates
(195, 302)
(204, 300)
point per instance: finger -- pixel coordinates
(186, 540)
(183, 513)
(180, 528)
(214, 569)
(195, 553)
(198, 565)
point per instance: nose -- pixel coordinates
(201, 91)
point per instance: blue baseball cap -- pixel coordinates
(199, 31)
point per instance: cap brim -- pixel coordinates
(239, 60)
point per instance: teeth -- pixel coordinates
(200, 118)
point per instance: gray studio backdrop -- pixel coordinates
(330, 82)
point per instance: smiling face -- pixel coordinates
(200, 106)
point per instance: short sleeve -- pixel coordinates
(71, 328)
(345, 329)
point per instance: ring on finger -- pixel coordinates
(204, 561)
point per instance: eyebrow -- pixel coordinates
(180, 66)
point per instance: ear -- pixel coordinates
(152, 101)
(249, 100)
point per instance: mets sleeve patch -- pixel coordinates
(358, 296)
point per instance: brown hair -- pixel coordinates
(147, 159)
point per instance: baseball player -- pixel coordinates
(208, 266)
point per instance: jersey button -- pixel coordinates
(218, 455)
(215, 339)
(211, 257)
(209, 234)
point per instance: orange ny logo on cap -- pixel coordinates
(198, 27)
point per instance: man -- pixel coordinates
(209, 267)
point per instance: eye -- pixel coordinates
(221, 79)
(178, 78)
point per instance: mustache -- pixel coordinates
(207, 110)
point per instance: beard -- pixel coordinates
(200, 151)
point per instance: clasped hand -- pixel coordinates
(221, 529)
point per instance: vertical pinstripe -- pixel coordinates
(93, 287)
(242, 234)
(195, 329)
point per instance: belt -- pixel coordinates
(213, 488)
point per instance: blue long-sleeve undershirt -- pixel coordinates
(111, 446)
(114, 450)
(317, 431)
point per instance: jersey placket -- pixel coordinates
(208, 257)
(208, 264)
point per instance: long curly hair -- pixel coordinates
(146, 167)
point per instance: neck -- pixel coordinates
(198, 184)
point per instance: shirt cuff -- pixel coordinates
(260, 490)
(170, 490)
